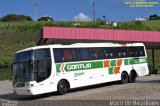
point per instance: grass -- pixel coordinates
(15, 36)
(5, 74)
(140, 25)
(157, 57)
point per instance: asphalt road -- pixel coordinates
(146, 89)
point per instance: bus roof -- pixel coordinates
(81, 45)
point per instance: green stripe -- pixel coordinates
(111, 70)
(80, 66)
(113, 63)
(98, 64)
(126, 62)
(131, 61)
(135, 61)
(58, 67)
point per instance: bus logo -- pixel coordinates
(62, 68)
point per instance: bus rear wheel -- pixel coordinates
(124, 78)
(132, 77)
(62, 87)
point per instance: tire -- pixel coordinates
(62, 87)
(124, 78)
(132, 77)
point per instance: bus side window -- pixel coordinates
(109, 53)
(84, 54)
(42, 54)
(122, 52)
(93, 53)
(137, 51)
(133, 52)
(76, 54)
(101, 53)
(58, 55)
(141, 51)
(67, 55)
(121, 55)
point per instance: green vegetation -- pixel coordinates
(140, 25)
(15, 36)
(10, 42)
(15, 17)
(47, 18)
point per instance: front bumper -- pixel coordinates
(25, 91)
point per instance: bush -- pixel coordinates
(15, 17)
(154, 17)
(45, 19)
(4, 64)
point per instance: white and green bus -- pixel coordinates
(50, 68)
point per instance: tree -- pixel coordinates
(15, 17)
(102, 20)
(46, 18)
(154, 17)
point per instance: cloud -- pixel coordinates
(140, 19)
(81, 17)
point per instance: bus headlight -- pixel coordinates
(32, 85)
(29, 85)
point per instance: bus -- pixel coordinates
(50, 68)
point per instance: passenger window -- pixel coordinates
(133, 54)
(84, 52)
(93, 53)
(67, 55)
(76, 54)
(121, 52)
(109, 52)
(137, 51)
(141, 51)
(58, 55)
(101, 53)
(42, 53)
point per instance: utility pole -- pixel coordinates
(35, 9)
(94, 12)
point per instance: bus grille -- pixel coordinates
(20, 84)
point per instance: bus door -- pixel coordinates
(42, 63)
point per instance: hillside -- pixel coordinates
(15, 36)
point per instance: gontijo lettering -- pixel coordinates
(79, 66)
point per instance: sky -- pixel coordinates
(72, 10)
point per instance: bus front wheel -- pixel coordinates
(62, 87)
(124, 77)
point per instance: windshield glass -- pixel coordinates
(23, 67)
(23, 71)
(32, 65)
(23, 56)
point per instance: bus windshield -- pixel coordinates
(23, 71)
(23, 67)
(32, 65)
